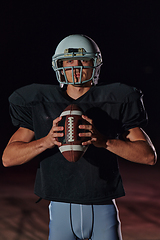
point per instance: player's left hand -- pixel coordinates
(96, 138)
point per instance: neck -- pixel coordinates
(77, 91)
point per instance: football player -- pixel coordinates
(81, 194)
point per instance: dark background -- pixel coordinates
(127, 33)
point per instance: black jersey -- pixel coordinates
(95, 178)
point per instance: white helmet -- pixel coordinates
(76, 47)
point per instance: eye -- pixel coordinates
(70, 61)
(67, 63)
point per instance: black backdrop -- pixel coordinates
(127, 33)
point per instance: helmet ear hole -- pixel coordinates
(60, 63)
(62, 77)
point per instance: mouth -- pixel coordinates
(77, 75)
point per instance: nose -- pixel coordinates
(77, 63)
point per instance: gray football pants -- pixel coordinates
(77, 221)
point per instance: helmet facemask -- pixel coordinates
(64, 79)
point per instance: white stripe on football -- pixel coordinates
(69, 112)
(65, 148)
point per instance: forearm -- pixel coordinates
(136, 151)
(21, 147)
(18, 152)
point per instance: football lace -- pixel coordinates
(70, 129)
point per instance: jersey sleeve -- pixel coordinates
(133, 111)
(20, 111)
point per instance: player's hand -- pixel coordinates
(55, 132)
(96, 138)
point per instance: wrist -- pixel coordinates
(108, 143)
(46, 143)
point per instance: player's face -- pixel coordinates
(86, 72)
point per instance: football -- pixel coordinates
(71, 147)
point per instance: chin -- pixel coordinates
(86, 84)
(82, 85)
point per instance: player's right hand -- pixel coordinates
(54, 133)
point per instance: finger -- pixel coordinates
(57, 128)
(86, 143)
(87, 119)
(86, 127)
(56, 134)
(57, 143)
(89, 142)
(55, 121)
(86, 134)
